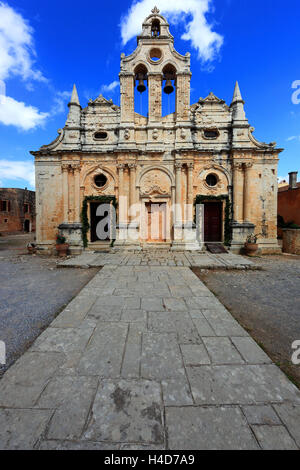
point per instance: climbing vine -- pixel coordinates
(84, 214)
(201, 198)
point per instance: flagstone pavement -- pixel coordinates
(146, 357)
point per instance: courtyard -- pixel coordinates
(146, 357)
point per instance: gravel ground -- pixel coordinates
(32, 292)
(266, 303)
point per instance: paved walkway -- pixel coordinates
(160, 258)
(146, 357)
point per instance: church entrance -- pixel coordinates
(100, 222)
(213, 221)
(156, 222)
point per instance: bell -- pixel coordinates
(141, 86)
(168, 87)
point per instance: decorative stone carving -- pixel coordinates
(155, 134)
(155, 11)
(127, 134)
(155, 182)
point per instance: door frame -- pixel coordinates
(144, 218)
(222, 218)
(90, 202)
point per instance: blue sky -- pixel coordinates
(47, 46)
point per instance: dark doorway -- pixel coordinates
(212, 221)
(27, 226)
(100, 224)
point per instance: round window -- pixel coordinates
(100, 180)
(211, 180)
(155, 54)
(100, 135)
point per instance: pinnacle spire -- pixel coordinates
(74, 97)
(237, 97)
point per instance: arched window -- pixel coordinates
(169, 90)
(141, 85)
(155, 29)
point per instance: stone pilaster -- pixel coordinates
(247, 192)
(155, 96)
(178, 201)
(127, 97)
(76, 169)
(65, 191)
(238, 191)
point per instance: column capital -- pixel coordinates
(132, 166)
(121, 166)
(76, 167)
(190, 165)
(178, 165)
(248, 165)
(65, 166)
(237, 165)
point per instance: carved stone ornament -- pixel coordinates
(127, 134)
(155, 11)
(155, 134)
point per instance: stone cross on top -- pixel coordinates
(155, 11)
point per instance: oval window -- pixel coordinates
(211, 180)
(100, 135)
(211, 134)
(100, 180)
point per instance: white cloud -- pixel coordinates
(17, 53)
(191, 12)
(17, 171)
(293, 137)
(17, 58)
(17, 113)
(61, 100)
(110, 88)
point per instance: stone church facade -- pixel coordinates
(192, 176)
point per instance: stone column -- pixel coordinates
(132, 191)
(178, 202)
(238, 189)
(247, 192)
(77, 192)
(65, 191)
(122, 205)
(155, 96)
(190, 199)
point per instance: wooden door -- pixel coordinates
(156, 222)
(213, 222)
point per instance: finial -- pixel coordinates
(155, 11)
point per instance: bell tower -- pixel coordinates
(155, 65)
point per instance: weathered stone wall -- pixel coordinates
(289, 205)
(291, 241)
(13, 220)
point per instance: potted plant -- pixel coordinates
(61, 245)
(31, 248)
(251, 246)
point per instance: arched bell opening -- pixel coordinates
(140, 90)
(169, 90)
(155, 28)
